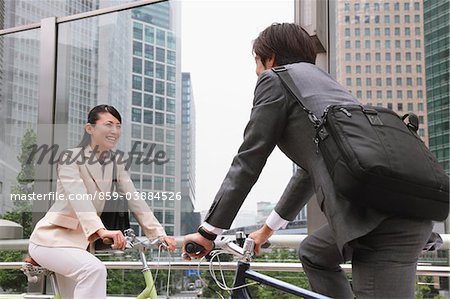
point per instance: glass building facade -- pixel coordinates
(436, 25)
(155, 108)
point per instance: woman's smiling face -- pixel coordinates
(105, 133)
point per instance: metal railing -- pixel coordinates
(277, 242)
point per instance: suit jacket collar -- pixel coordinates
(101, 177)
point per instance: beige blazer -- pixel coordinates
(73, 223)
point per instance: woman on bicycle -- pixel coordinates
(61, 238)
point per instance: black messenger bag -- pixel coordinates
(375, 159)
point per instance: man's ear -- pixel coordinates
(271, 62)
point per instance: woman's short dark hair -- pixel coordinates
(289, 42)
(93, 116)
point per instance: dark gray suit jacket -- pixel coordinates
(278, 120)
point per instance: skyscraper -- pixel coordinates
(436, 25)
(380, 55)
(156, 108)
(189, 219)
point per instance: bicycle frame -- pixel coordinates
(243, 272)
(150, 289)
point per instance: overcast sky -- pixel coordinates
(216, 48)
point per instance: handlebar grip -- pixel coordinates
(192, 247)
(107, 241)
(266, 245)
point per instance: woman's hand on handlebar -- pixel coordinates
(260, 237)
(170, 242)
(116, 236)
(200, 240)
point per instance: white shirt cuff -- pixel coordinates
(275, 222)
(212, 229)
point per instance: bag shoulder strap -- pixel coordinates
(287, 81)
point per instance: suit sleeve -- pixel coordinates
(297, 193)
(69, 177)
(265, 127)
(140, 209)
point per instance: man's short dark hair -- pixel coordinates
(288, 41)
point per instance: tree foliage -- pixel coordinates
(10, 279)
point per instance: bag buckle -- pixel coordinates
(372, 116)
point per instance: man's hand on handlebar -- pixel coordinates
(200, 240)
(260, 237)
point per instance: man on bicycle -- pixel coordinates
(383, 248)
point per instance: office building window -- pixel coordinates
(348, 57)
(409, 95)
(416, 5)
(136, 131)
(148, 68)
(137, 82)
(159, 118)
(378, 69)
(358, 57)
(378, 56)
(378, 81)
(399, 106)
(348, 81)
(387, 31)
(417, 43)
(409, 69)
(366, 19)
(399, 94)
(386, 6)
(159, 103)
(410, 106)
(387, 19)
(358, 69)
(408, 44)
(369, 94)
(357, 19)
(149, 52)
(420, 106)
(136, 98)
(148, 133)
(389, 94)
(137, 65)
(367, 44)
(377, 44)
(399, 81)
(149, 35)
(368, 81)
(148, 100)
(358, 82)
(368, 69)
(388, 57)
(409, 81)
(367, 31)
(379, 94)
(357, 6)
(388, 69)
(347, 6)
(348, 69)
(407, 31)
(357, 32)
(398, 69)
(387, 44)
(388, 81)
(419, 81)
(397, 19)
(137, 48)
(347, 44)
(347, 32)
(357, 44)
(367, 56)
(407, 19)
(416, 18)
(420, 94)
(148, 117)
(397, 44)
(377, 31)
(136, 115)
(397, 31)
(389, 106)
(396, 6)
(359, 94)
(148, 85)
(347, 19)
(418, 56)
(376, 6)
(417, 31)
(418, 68)
(406, 6)
(137, 30)
(398, 56)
